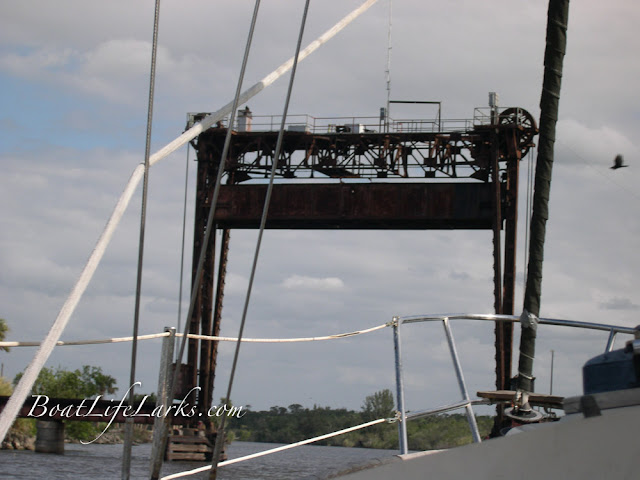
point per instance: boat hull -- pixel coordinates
(576, 447)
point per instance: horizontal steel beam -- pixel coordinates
(358, 206)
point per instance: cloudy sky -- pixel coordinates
(74, 79)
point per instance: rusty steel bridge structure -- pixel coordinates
(359, 173)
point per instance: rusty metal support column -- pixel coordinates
(497, 246)
(510, 238)
(201, 319)
(504, 330)
(208, 312)
(501, 336)
(217, 317)
(206, 326)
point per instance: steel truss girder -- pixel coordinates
(465, 154)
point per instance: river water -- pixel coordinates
(104, 462)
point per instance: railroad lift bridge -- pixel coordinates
(421, 175)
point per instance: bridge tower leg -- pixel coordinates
(206, 319)
(505, 287)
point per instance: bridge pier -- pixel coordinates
(50, 437)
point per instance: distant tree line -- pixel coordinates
(295, 423)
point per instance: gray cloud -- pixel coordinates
(618, 303)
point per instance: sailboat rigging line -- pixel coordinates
(209, 120)
(286, 340)
(281, 448)
(128, 435)
(75, 343)
(558, 16)
(212, 208)
(263, 221)
(212, 338)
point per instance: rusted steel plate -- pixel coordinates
(358, 206)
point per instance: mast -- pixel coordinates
(557, 19)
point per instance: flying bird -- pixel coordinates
(618, 162)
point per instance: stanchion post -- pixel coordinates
(402, 424)
(475, 433)
(160, 425)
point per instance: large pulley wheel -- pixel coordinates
(525, 126)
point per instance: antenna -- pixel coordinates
(388, 71)
(551, 381)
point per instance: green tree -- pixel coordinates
(4, 328)
(298, 423)
(82, 383)
(5, 387)
(295, 408)
(97, 383)
(60, 383)
(378, 405)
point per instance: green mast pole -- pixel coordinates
(557, 19)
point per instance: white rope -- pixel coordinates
(284, 340)
(213, 338)
(277, 449)
(61, 343)
(31, 373)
